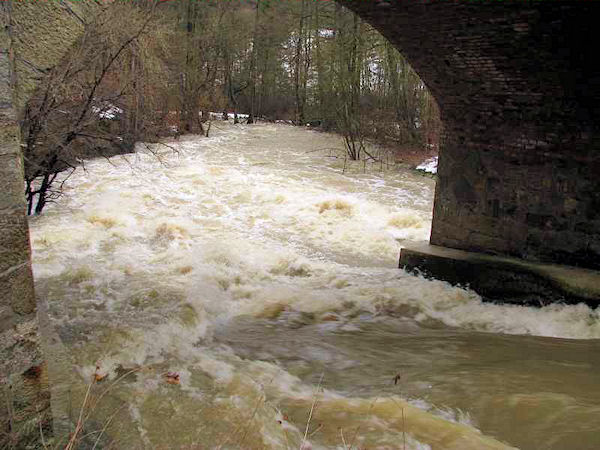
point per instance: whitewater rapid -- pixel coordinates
(260, 267)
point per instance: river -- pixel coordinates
(242, 291)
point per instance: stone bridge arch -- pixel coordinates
(519, 95)
(519, 167)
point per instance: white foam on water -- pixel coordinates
(143, 258)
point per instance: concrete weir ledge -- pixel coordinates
(503, 279)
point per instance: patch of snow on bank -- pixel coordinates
(429, 166)
(109, 111)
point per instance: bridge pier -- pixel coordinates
(504, 279)
(23, 378)
(34, 36)
(525, 190)
(519, 96)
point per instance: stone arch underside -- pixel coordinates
(519, 96)
(519, 165)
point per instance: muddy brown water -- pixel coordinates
(261, 273)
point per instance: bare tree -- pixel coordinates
(71, 115)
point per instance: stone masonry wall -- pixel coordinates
(33, 37)
(519, 95)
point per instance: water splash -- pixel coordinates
(148, 264)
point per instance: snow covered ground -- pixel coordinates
(108, 111)
(429, 166)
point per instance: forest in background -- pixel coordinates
(145, 69)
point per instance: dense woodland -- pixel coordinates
(145, 69)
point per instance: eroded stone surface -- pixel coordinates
(33, 37)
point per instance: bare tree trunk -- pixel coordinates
(253, 66)
(320, 69)
(231, 94)
(43, 192)
(263, 84)
(191, 112)
(299, 116)
(137, 95)
(307, 64)
(349, 73)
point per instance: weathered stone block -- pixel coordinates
(504, 279)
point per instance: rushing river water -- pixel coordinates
(243, 292)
